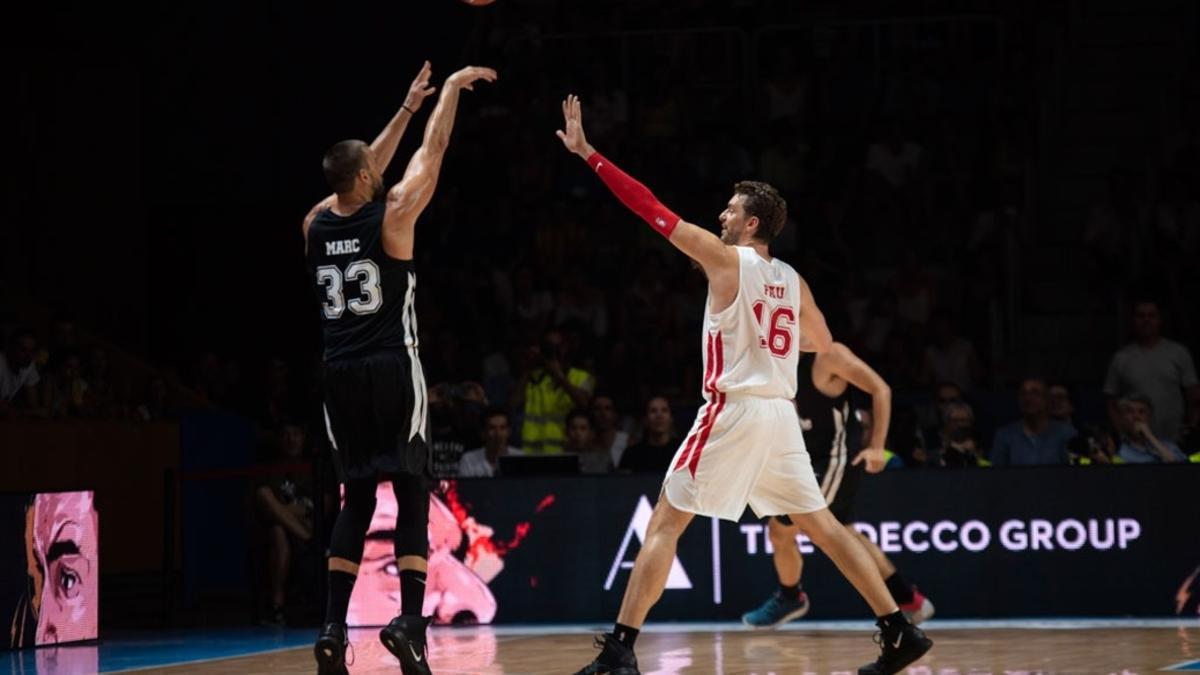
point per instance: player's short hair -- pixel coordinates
(342, 162)
(764, 202)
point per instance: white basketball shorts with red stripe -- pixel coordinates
(744, 451)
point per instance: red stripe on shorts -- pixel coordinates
(720, 400)
(709, 366)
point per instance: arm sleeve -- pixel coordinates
(635, 196)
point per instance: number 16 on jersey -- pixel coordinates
(780, 322)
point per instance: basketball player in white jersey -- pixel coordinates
(746, 447)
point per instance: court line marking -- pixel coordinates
(192, 662)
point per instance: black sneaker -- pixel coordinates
(330, 650)
(901, 646)
(615, 658)
(404, 637)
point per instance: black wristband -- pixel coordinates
(410, 110)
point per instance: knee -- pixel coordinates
(822, 528)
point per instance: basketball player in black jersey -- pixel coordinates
(833, 435)
(359, 244)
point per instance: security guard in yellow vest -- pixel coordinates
(547, 392)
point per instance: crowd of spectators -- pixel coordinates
(559, 323)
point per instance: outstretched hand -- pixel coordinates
(467, 77)
(874, 457)
(572, 135)
(419, 90)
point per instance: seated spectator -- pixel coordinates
(157, 405)
(19, 375)
(485, 462)
(609, 435)
(446, 442)
(1158, 368)
(960, 446)
(1139, 444)
(285, 507)
(1095, 445)
(581, 440)
(1061, 404)
(950, 357)
(659, 441)
(1035, 438)
(67, 394)
(548, 388)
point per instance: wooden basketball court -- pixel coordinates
(801, 649)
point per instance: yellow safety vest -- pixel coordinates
(546, 408)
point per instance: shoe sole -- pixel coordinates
(402, 648)
(790, 616)
(924, 613)
(329, 661)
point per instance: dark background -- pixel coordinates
(163, 157)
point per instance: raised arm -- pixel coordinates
(411, 195)
(717, 259)
(384, 145)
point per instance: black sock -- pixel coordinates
(900, 589)
(892, 622)
(341, 585)
(790, 592)
(625, 635)
(412, 592)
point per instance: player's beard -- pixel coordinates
(378, 191)
(730, 235)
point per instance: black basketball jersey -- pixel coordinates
(832, 432)
(367, 297)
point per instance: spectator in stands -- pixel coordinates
(1094, 445)
(916, 291)
(484, 462)
(19, 376)
(1061, 404)
(285, 508)
(104, 397)
(950, 357)
(659, 440)
(581, 440)
(960, 446)
(157, 406)
(609, 435)
(1158, 368)
(446, 439)
(1035, 438)
(894, 158)
(67, 394)
(1139, 444)
(548, 387)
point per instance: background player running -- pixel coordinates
(745, 447)
(834, 434)
(359, 244)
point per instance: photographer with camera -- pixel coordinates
(959, 445)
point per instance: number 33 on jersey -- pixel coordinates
(367, 298)
(752, 346)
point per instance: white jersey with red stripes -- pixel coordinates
(746, 447)
(751, 347)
